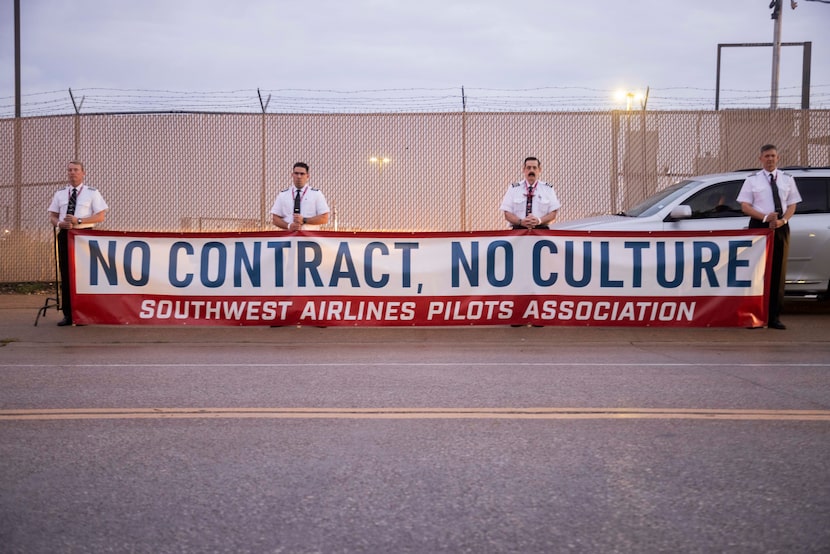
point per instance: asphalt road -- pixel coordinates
(124, 439)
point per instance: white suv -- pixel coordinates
(708, 202)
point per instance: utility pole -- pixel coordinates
(17, 163)
(776, 16)
(776, 53)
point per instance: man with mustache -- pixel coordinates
(531, 203)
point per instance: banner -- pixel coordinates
(664, 279)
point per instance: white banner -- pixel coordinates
(593, 277)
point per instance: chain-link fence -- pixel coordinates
(402, 172)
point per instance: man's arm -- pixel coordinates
(278, 221)
(97, 217)
(748, 209)
(548, 218)
(512, 218)
(319, 219)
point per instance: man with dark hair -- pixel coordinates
(769, 198)
(76, 206)
(531, 203)
(301, 206)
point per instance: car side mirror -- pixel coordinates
(682, 211)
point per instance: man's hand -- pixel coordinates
(531, 221)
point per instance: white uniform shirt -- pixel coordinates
(88, 203)
(312, 203)
(544, 199)
(757, 191)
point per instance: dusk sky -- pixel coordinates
(413, 56)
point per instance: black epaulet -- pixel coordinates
(285, 189)
(514, 185)
(315, 189)
(547, 184)
(91, 188)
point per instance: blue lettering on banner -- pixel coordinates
(279, 260)
(734, 263)
(144, 276)
(407, 248)
(604, 265)
(679, 265)
(240, 258)
(470, 267)
(222, 252)
(368, 274)
(492, 250)
(537, 263)
(172, 267)
(637, 265)
(570, 264)
(306, 265)
(110, 269)
(702, 265)
(344, 257)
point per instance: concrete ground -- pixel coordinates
(422, 440)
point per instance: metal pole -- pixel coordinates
(717, 80)
(17, 58)
(463, 207)
(18, 128)
(263, 207)
(615, 137)
(806, 60)
(776, 58)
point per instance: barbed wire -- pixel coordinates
(412, 100)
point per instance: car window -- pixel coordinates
(654, 204)
(814, 195)
(719, 200)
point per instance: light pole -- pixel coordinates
(380, 162)
(630, 97)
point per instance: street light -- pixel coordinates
(380, 161)
(629, 97)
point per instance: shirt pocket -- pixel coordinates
(83, 208)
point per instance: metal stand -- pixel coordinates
(56, 301)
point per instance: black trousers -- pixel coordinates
(63, 264)
(780, 252)
(537, 227)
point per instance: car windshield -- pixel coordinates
(654, 204)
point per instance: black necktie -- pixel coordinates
(73, 199)
(775, 197)
(297, 199)
(529, 208)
